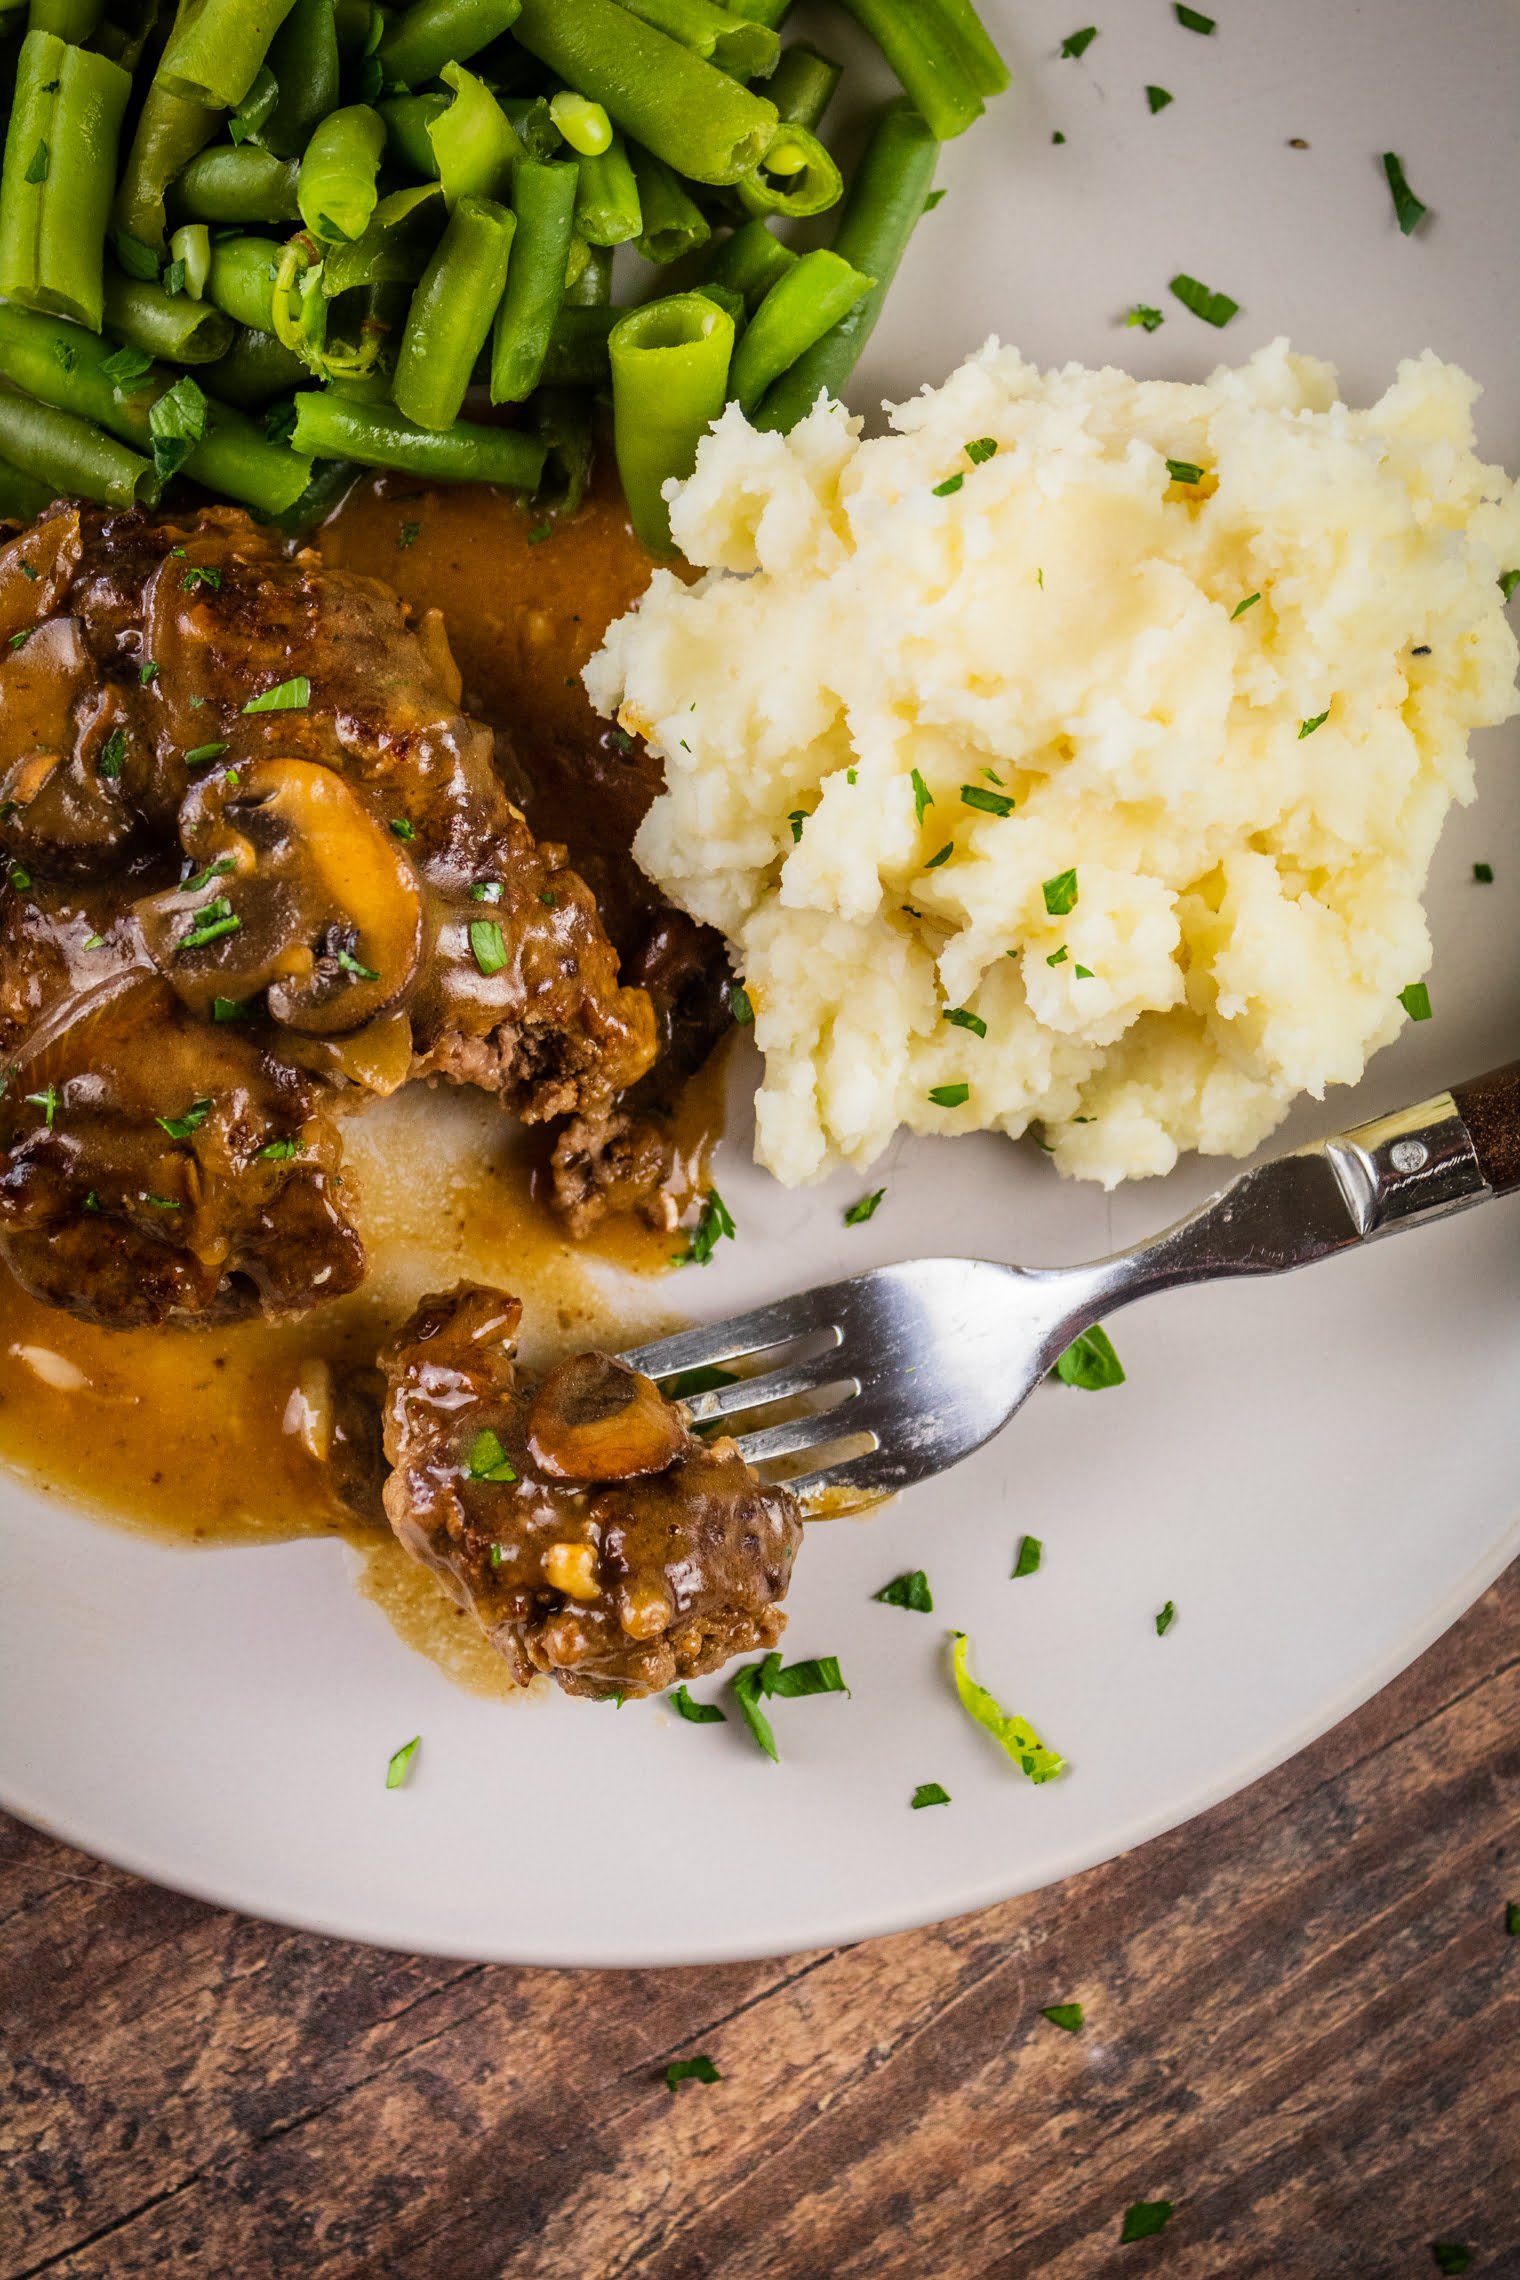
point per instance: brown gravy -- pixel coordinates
(185, 1433)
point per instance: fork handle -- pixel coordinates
(1490, 1108)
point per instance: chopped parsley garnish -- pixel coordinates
(1240, 608)
(922, 796)
(537, 536)
(1060, 893)
(37, 165)
(1508, 581)
(1415, 999)
(488, 945)
(950, 1096)
(402, 829)
(1144, 2219)
(48, 1103)
(950, 485)
(1165, 1618)
(216, 870)
(1058, 957)
(349, 964)
(1451, 2255)
(933, 200)
(212, 921)
(1184, 471)
(1058, 137)
(961, 1018)
(199, 754)
(910, 1590)
(162, 1202)
(29, 573)
(228, 1009)
(195, 576)
(690, 1382)
(147, 672)
(943, 856)
(291, 696)
(181, 1127)
(1512, 1918)
(928, 1793)
(1013, 1734)
(173, 279)
(1083, 973)
(1078, 43)
(280, 422)
(1192, 21)
(621, 739)
(280, 1151)
(797, 819)
(112, 753)
(92, 1201)
(1142, 314)
(696, 1713)
(1307, 727)
(715, 1222)
(746, 1685)
(1067, 2016)
(1408, 210)
(1090, 1362)
(819, 1675)
(864, 1209)
(698, 2069)
(1031, 1552)
(486, 890)
(406, 536)
(1158, 98)
(20, 640)
(990, 803)
(137, 259)
(400, 1764)
(740, 1005)
(983, 448)
(486, 1459)
(1214, 308)
(176, 422)
(94, 942)
(20, 877)
(1484, 874)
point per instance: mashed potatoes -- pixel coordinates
(1073, 756)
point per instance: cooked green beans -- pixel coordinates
(880, 215)
(255, 368)
(670, 363)
(451, 312)
(683, 109)
(927, 57)
(216, 47)
(577, 355)
(74, 20)
(988, 72)
(333, 427)
(164, 324)
(474, 143)
(747, 49)
(432, 33)
(241, 280)
(408, 138)
(750, 262)
(672, 223)
(58, 176)
(593, 288)
(22, 497)
(607, 208)
(170, 131)
(797, 311)
(796, 177)
(394, 250)
(71, 456)
(802, 85)
(543, 199)
(303, 63)
(337, 190)
(246, 185)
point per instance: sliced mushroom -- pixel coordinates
(593, 1418)
(299, 893)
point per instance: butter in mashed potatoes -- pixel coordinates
(1089, 781)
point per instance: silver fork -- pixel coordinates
(858, 1388)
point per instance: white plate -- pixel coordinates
(1320, 1471)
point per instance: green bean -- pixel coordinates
(988, 71)
(354, 27)
(672, 223)
(577, 355)
(241, 279)
(408, 138)
(58, 174)
(802, 84)
(533, 122)
(682, 108)
(337, 190)
(750, 262)
(543, 199)
(926, 57)
(72, 371)
(796, 177)
(216, 47)
(732, 304)
(562, 422)
(333, 427)
(474, 142)
(73, 458)
(607, 200)
(748, 50)
(170, 131)
(592, 289)
(22, 497)
(585, 126)
(396, 247)
(796, 313)
(303, 56)
(670, 363)
(253, 114)
(226, 186)
(255, 368)
(431, 33)
(164, 324)
(331, 482)
(451, 312)
(190, 252)
(880, 215)
(74, 20)
(771, 13)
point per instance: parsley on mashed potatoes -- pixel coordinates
(1090, 781)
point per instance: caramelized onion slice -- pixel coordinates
(593, 1418)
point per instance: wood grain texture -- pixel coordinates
(1301, 2028)
(1490, 1108)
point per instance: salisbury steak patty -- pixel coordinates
(259, 862)
(592, 1533)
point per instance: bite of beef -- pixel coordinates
(593, 1534)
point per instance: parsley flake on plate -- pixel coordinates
(1031, 1552)
(486, 1459)
(922, 796)
(943, 856)
(741, 1005)
(1067, 2016)
(1165, 1618)
(928, 1793)
(1078, 43)
(1483, 873)
(1451, 2255)
(1144, 2219)
(1240, 608)
(1060, 893)
(1408, 210)
(982, 449)
(1512, 1918)
(1307, 727)
(1214, 308)
(714, 1224)
(1191, 20)
(1014, 1735)
(797, 818)
(990, 803)
(865, 1208)
(1158, 99)
(1150, 319)
(1508, 581)
(949, 1096)
(949, 487)
(290, 696)
(488, 945)
(181, 1127)
(910, 1590)
(746, 1690)
(695, 1713)
(962, 1019)
(400, 1764)
(1090, 1362)
(1415, 999)
(698, 2069)
(1184, 471)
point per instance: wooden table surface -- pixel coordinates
(1301, 2018)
